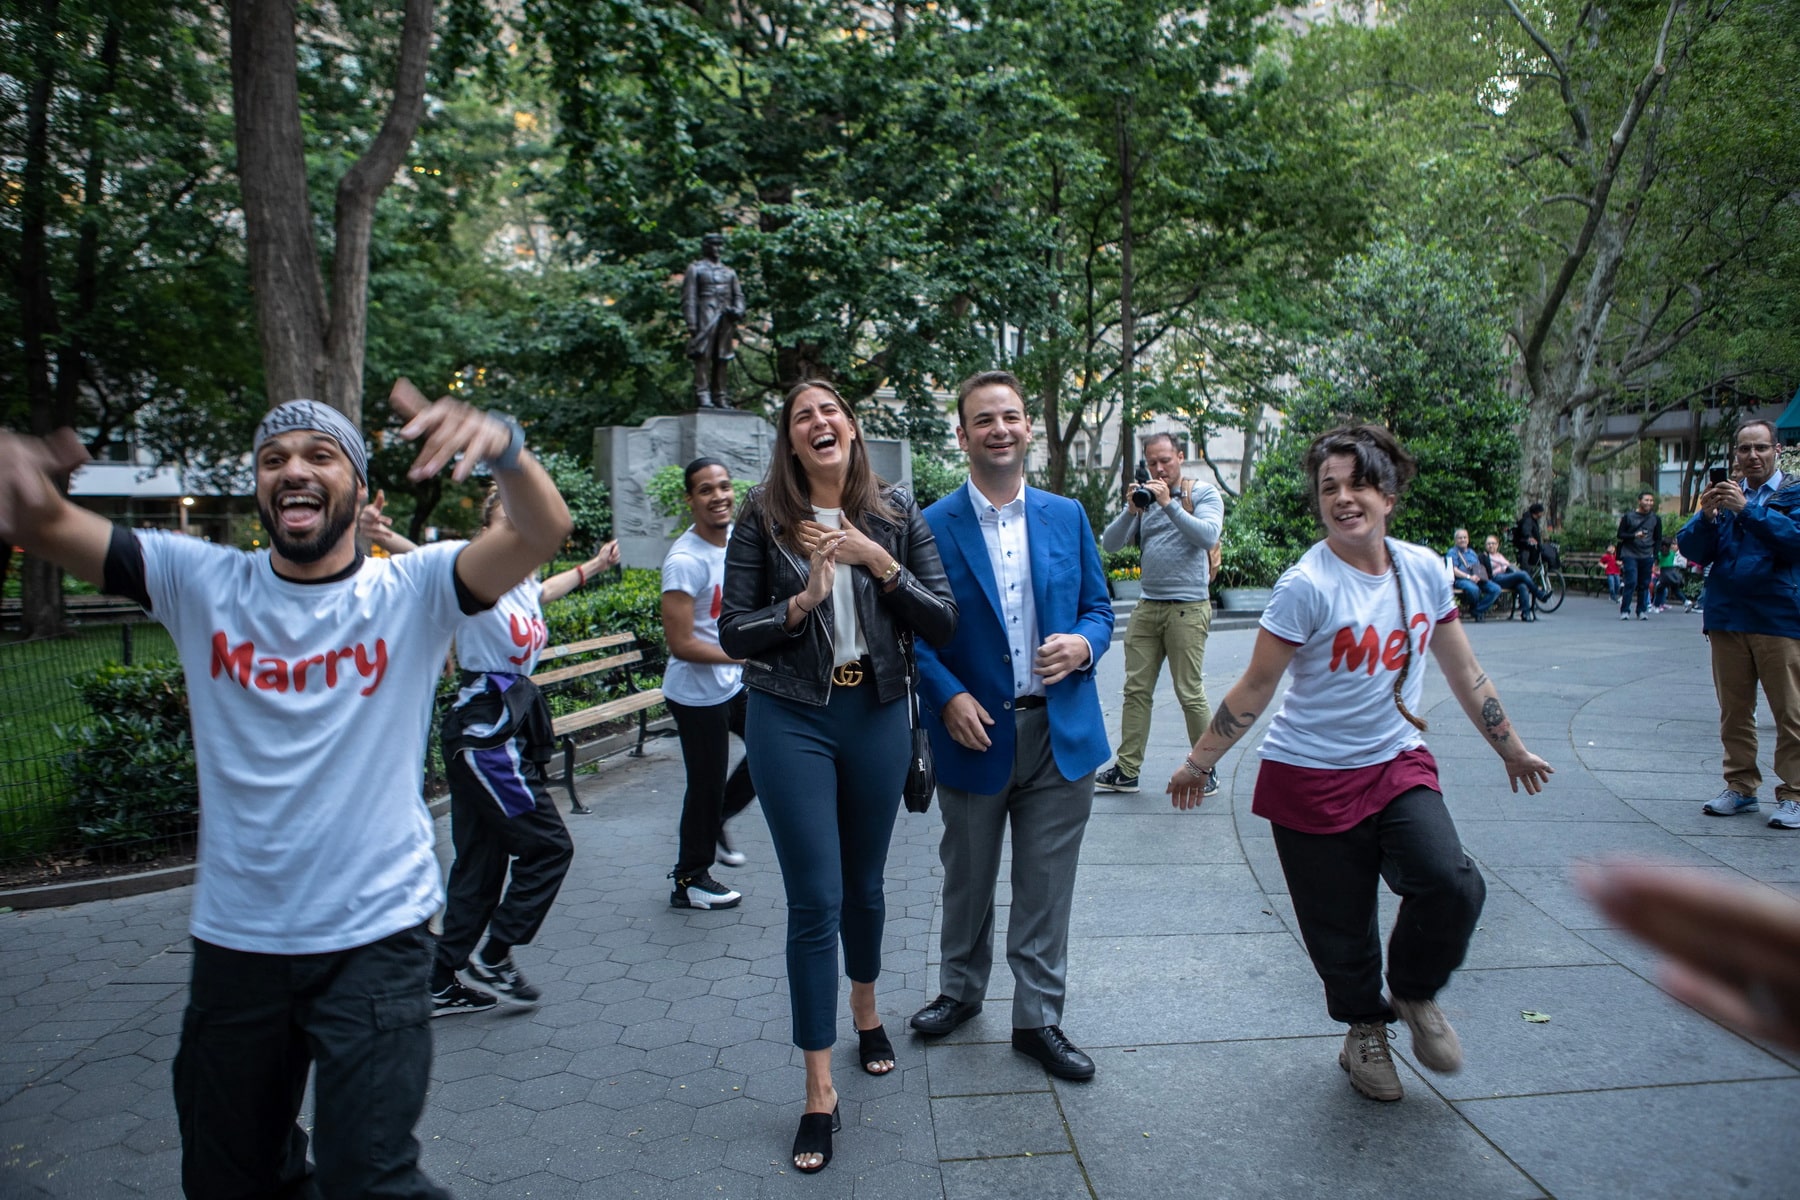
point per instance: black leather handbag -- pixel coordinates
(921, 773)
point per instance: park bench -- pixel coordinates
(80, 607)
(1583, 573)
(617, 653)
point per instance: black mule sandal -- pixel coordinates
(873, 1046)
(814, 1137)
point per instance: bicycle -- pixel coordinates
(1548, 581)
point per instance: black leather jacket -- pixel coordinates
(761, 574)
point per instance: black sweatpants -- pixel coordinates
(501, 818)
(534, 846)
(255, 1024)
(1332, 879)
(712, 798)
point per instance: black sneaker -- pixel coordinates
(1114, 780)
(459, 997)
(703, 891)
(505, 979)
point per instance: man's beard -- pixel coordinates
(335, 519)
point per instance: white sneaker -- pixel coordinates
(1624, 616)
(702, 891)
(1786, 816)
(731, 858)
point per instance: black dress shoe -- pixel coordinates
(943, 1015)
(1061, 1057)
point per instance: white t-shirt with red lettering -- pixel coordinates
(1339, 709)
(696, 567)
(311, 708)
(508, 637)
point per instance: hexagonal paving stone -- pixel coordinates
(535, 1064)
(464, 1064)
(508, 1159)
(496, 1122)
(614, 991)
(650, 1035)
(519, 1029)
(646, 1123)
(629, 1090)
(552, 1091)
(704, 1088)
(702, 1008)
(606, 1062)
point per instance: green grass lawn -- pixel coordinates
(37, 695)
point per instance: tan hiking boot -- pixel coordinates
(1434, 1043)
(1365, 1055)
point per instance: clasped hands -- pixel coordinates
(966, 721)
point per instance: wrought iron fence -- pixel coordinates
(47, 811)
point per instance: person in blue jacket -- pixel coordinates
(1748, 533)
(1015, 723)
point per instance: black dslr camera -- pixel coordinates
(1140, 495)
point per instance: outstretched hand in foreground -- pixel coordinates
(1733, 949)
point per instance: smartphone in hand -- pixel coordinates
(1718, 475)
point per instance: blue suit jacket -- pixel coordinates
(1070, 590)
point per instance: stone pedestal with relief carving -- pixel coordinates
(626, 456)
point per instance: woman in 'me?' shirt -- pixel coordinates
(1346, 780)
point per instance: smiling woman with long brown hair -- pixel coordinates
(829, 574)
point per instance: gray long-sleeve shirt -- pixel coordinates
(1174, 542)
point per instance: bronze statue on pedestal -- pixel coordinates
(712, 304)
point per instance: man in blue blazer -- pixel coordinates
(1014, 720)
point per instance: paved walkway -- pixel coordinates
(659, 1064)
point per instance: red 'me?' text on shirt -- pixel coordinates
(1350, 650)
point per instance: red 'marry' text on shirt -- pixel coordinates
(278, 674)
(1348, 650)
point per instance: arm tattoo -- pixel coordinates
(1493, 720)
(1479, 680)
(1229, 727)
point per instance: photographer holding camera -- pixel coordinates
(1175, 523)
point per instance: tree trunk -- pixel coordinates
(40, 582)
(1127, 315)
(1537, 442)
(271, 149)
(311, 349)
(357, 193)
(1252, 445)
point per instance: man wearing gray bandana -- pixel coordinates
(310, 673)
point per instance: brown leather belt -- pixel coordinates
(851, 674)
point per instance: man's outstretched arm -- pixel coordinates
(38, 518)
(537, 519)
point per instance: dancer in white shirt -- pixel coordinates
(310, 671)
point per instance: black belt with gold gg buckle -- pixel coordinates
(851, 674)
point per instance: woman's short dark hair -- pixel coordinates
(1381, 461)
(1537, 509)
(694, 468)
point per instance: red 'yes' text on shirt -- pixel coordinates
(530, 635)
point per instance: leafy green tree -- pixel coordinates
(1418, 347)
(124, 311)
(1623, 171)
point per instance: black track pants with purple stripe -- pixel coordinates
(501, 819)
